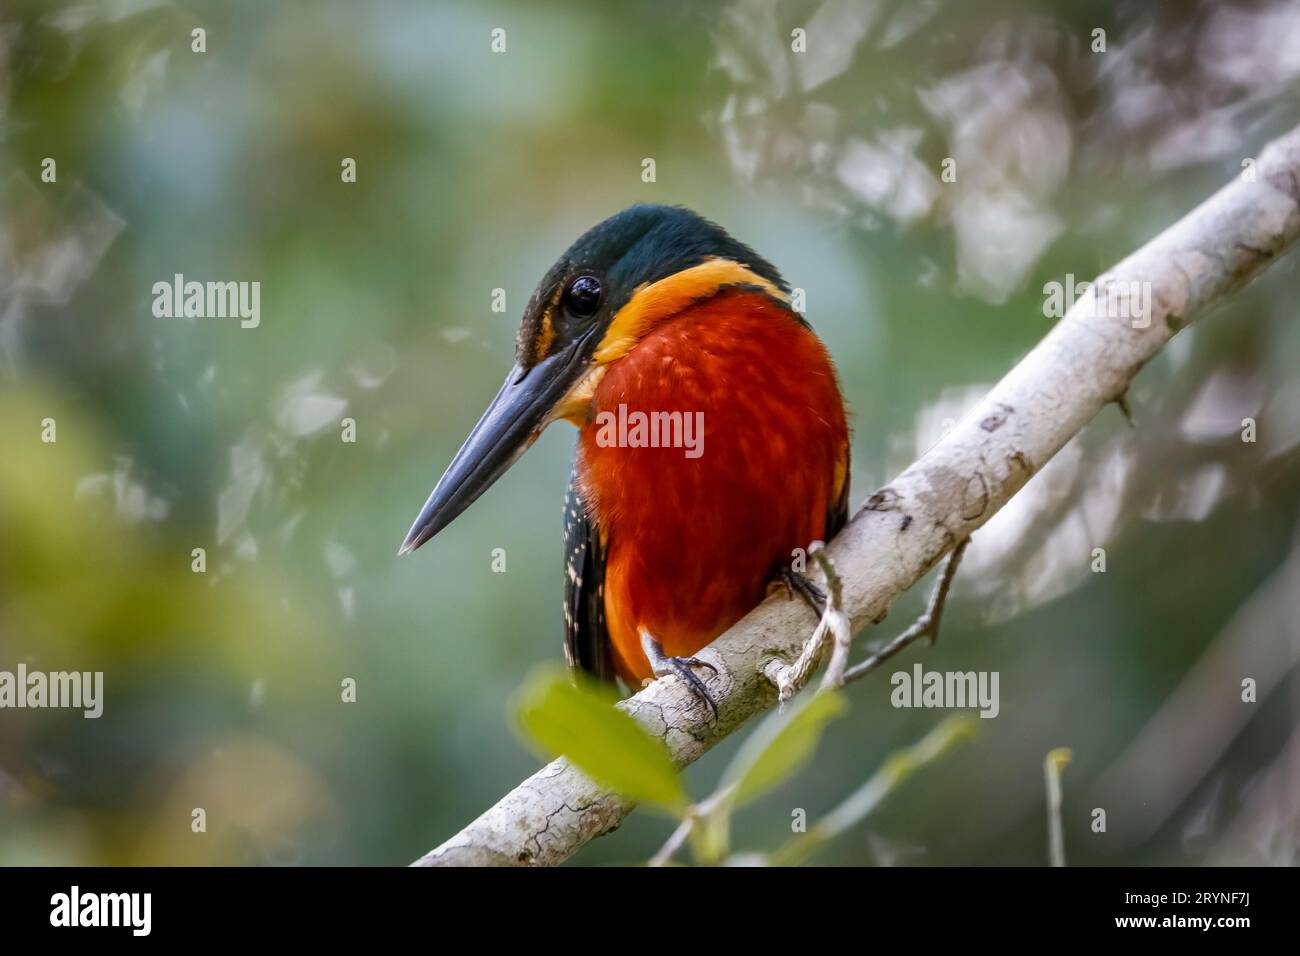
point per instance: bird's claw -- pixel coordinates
(799, 584)
(681, 668)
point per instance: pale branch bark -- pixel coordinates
(1084, 363)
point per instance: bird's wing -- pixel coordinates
(586, 641)
(837, 515)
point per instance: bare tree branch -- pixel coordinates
(1087, 361)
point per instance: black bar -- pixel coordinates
(213, 906)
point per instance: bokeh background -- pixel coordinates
(475, 170)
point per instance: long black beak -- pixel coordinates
(511, 423)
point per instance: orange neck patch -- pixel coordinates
(652, 303)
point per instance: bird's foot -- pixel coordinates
(797, 584)
(679, 667)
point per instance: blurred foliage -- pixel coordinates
(780, 747)
(782, 744)
(576, 719)
(474, 171)
(896, 770)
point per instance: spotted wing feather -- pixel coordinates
(586, 641)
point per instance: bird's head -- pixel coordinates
(616, 283)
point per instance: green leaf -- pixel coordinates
(580, 722)
(780, 746)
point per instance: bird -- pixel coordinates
(713, 440)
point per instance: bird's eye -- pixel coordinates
(582, 297)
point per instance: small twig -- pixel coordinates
(835, 620)
(697, 814)
(674, 842)
(927, 625)
(1121, 401)
(1052, 767)
(834, 623)
(790, 680)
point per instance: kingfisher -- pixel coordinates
(712, 446)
